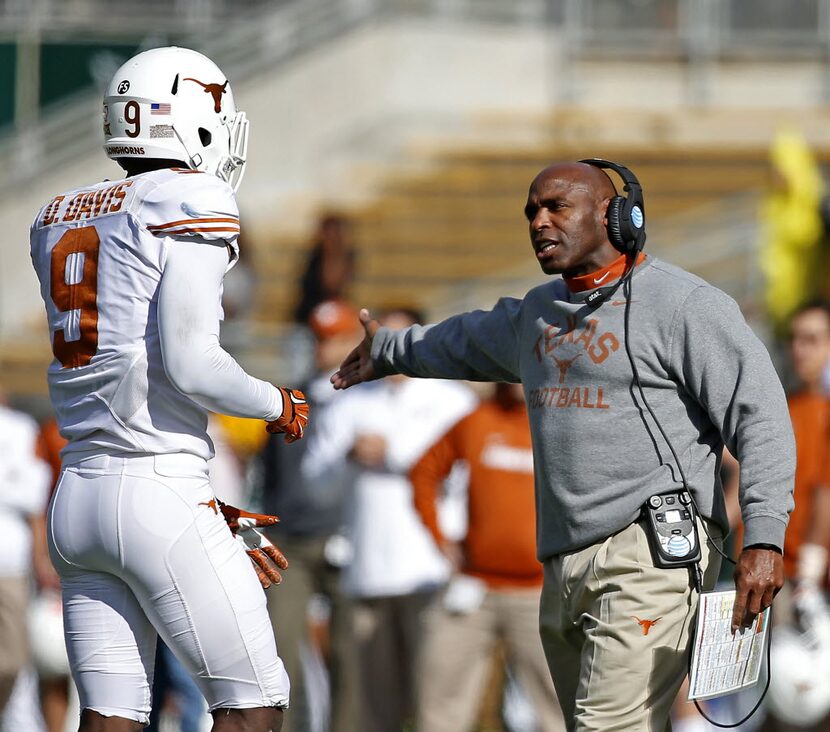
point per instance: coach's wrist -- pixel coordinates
(768, 547)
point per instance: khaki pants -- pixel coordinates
(457, 654)
(14, 640)
(616, 631)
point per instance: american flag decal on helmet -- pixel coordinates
(160, 108)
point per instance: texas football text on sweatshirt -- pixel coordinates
(598, 453)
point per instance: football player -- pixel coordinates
(131, 274)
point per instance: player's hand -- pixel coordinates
(265, 557)
(759, 574)
(357, 366)
(294, 418)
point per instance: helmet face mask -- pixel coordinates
(174, 103)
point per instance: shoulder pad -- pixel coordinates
(188, 203)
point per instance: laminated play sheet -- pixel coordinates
(723, 663)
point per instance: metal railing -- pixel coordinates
(636, 24)
(100, 17)
(262, 40)
(252, 35)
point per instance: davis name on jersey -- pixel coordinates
(99, 253)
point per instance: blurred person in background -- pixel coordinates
(497, 579)
(377, 433)
(131, 273)
(311, 533)
(803, 605)
(54, 681)
(24, 492)
(806, 544)
(329, 266)
(614, 624)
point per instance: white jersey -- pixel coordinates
(99, 253)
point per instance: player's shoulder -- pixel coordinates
(183, 202)
(175, 182)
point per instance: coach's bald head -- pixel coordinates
(581, 175)
(565, 209)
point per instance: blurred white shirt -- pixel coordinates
(24, 490)
(394, 553)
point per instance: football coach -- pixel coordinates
(636, 374)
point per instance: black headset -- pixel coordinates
(625, 214)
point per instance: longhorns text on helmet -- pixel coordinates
(176, 104)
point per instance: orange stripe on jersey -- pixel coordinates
(201, 229)
(184, 222)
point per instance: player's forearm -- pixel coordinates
(211, 377)
(188, 317)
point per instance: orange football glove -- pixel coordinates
(265, 557)
(294, 417)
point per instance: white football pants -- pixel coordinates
(140, 552)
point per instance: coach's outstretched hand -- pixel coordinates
(265, 557)
(357, 366)
(759, 574)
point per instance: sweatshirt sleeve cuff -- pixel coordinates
(379, 352)
(764, 530)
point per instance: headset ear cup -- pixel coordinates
(612, 213)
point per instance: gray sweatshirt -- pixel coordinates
(598, 454)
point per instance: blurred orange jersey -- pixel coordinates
(500, 546)
(810, 414)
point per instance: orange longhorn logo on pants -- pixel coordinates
(646, 624)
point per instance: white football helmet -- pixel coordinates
(174, 103)
(799, 692)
